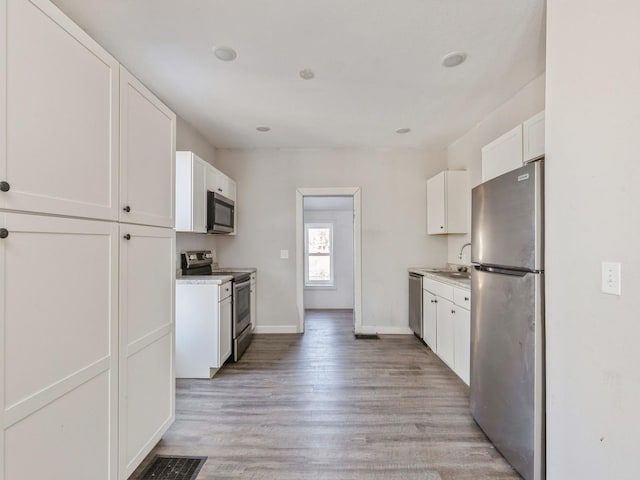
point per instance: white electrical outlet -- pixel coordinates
(284, 253)
(611, 273)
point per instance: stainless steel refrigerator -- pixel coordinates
(507, 316)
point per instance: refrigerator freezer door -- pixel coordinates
(507, 355)
(507, 220)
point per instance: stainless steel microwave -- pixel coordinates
(220, 213)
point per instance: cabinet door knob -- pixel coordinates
(4, 186)
(433, 301)
(453, 311)
(441, 227)
(4, 233)
(127, 237)
(466, 299)
(219, 189)
(127, 209)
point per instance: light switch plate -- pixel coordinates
(611, 278)
(284, 253)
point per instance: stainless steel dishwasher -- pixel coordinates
(415, 304)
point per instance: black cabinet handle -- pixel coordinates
(127, 237)
(441, 227)
(4, 233)
(219, 189)
(433, 301)
(127, 209)
(466, 299)
(4, 186)
(453, 311)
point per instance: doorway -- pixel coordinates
(328, 281)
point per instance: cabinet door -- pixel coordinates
(58, 366)
(533, 137)
(502, 155)
(199, 198)
(58, 115)
(429, 316)
(445, 331)
(462, 347)
(225, 316)
(436, 208)
(147, 156)
(147, 376)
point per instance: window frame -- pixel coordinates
(319, 283)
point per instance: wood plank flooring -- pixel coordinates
(326, 406)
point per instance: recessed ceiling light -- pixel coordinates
(403, 130)
(454, 59)
(226, 54)
(307, 74)
(263, 128)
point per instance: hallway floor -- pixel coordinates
(326, 406)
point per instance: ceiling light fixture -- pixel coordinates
(454, 59)
(307, 74)
(226, 54)
(403, 130)
(263, 128)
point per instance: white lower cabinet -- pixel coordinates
(203, 328)
(147, 385)
(446, 331)
(58, 362)
(225, 314)
(462, 347)
(429, 319)
(447, 324)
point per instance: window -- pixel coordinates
(318, 252)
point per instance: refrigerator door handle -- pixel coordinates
(501, 271)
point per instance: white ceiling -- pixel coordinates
(377, 64)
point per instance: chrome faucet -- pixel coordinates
(465, 245)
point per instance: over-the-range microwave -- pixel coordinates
(220, 213)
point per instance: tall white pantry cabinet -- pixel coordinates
(87, 253)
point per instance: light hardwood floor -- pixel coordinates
(326, 406)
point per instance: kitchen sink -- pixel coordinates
(460, 275)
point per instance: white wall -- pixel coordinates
(593, 178)
(341, 294)
(188, 138)
(393, 184)
(465, 153)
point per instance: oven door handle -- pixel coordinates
(238, 286)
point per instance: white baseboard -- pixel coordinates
(385, 330)
(275, 329)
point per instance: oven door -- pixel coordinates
(241, 307)
(220, 213)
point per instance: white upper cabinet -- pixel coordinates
(522, 144)
(533, 137)
(191, 193)
(59, 115)
(218, 182)
(147, 156)
(447, 203)
(502, 155)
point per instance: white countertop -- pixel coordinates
(203, 279)
(437, 274)
(235, 269)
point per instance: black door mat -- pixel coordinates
(367, 336)
(164, 467)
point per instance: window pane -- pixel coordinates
(319, 240)
(319, 269)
